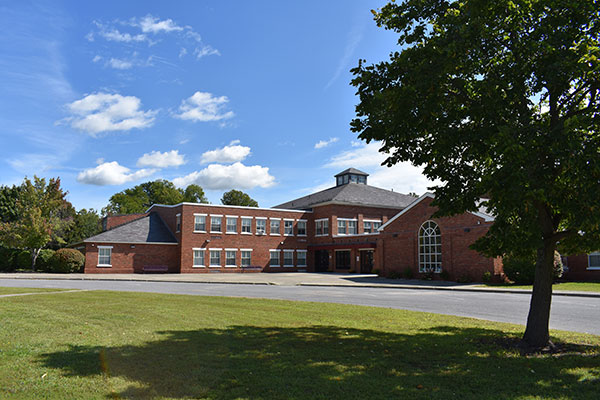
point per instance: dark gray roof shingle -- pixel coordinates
(352, 171)
(351, 193)
(148, 229)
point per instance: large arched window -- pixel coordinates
(430, 248)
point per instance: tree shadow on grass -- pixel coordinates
(326, 362)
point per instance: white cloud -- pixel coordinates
(206, 50)
(227, 154)
(204, 107)
(103, 112)
(364, 156)
(182, 52)
(161, 160)
(324, 143)
(150, 24)
(120, 64)
(234, 176)
(111, 173)
(114, 35)
(96, 58)
(356, 143)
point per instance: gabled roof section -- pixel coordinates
(485, 215)
(351, 194)
(351, 171)
(148, 229)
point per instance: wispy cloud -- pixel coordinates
(204, 107)
(324, 143)
(354, 39)
(150, 24)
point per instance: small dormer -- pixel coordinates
(351, 175)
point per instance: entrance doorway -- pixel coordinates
(321, 261)
(366, 261)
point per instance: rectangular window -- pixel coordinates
(178, 223)
(376, 225)
(594, 260)
(341, 227)
(215, 258)
(198, 258)
(288, 258)
(199, 223)
(352, 228)
(247, 225)
(215, 224)
(230, 256)
(231, 224)
(288, 227)
(274, 262)
(367, 227)
(275, 227)
(322, 227)
(261, 226)
(301, 227)
(246, 258)
(104, 256)
(342, 259)
(301, 258)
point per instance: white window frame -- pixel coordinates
(227, 218)
(195, 223)
(177, 223)
(278, 220)
(346, 225)
(220, 224)
(242, 251)
(321, 222)
(102, 265)
(203, 250)
(264, 231)
(305, 223)
(242, 226)
(210, 264)
(298, 252)
(595, 267)
(284, 263)
(278, 251)
(425, 246)
(234, 265)
(285, 222)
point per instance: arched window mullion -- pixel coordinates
(430, 248)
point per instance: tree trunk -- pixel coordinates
(537, 333)
(34, 255)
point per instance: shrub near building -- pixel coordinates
(66, 261)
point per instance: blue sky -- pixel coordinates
(226, 94)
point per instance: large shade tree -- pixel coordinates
(238, 198)
(498, 100)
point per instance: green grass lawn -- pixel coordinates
(15, 290)
(573, 286)
(86, 345)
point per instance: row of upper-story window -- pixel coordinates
(214, 257)
(213, 223)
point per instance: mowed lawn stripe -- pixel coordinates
(101, 344)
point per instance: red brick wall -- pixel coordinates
(578, 271)
(126, 259)
(398, 244)
(112, 221)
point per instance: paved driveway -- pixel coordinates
(580, 314)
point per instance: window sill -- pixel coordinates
(246, 233)
(301, 235)
(593, 268)
(214, 266)
(199, 231)
(231, 233)
(104, 266)
(288, 266)
(275, 266)
(198, 266)
(231, 266)
(275, 234)
(218, 232)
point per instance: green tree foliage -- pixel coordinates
(497, 98)
(41, 209)
(139, 198)
(8, 203)
(86, 223)
(238, 198)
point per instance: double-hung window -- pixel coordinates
(261, 226)
(178, 223)
(215, 257)
(594, 261)
(301, 258)
(341, 227)
(352, 228)
(301, 227)
(322, 227)
(247, 225)
(288, 258)
(347, 226)
(275, 226)
(199, 223)
(230, 257)
(288, 227)
(198, 258)
(215, 223)
(231, 224)
(246, 257)
(274, 261)
(104, 256)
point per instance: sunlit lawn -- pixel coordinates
(573, 286)
(102, 345)
(16, 290)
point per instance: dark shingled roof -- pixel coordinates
(352, 171)
(148, 229)
(351, 193)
